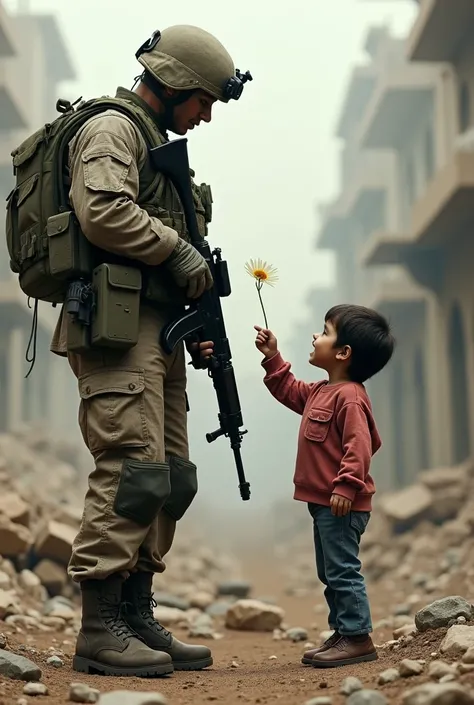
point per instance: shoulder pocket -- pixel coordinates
(317, 424)
(105, 168)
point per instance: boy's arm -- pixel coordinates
(357, 450)
(282, 383)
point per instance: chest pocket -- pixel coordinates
(317, 424)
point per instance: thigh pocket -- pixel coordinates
(114, 409)
(317, 424)
(359, 521)
(184, 486)
(143, 489)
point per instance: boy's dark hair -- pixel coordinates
(369, 336)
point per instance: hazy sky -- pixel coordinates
(270, 157)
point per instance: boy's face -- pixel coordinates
(325, 354)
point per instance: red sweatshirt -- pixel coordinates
(337, 436)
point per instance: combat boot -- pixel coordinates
(138, 613)
(105, 644)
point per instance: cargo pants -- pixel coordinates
(132, 416)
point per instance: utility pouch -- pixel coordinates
(70, 253)
(78, 336)
(184, 487)
(116, 318)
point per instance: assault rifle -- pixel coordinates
(204, 319)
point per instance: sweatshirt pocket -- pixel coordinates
(317, 424)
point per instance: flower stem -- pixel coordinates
(259, 288)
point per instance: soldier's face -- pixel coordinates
(197, 109)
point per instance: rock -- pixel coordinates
(82, 693)
(18, 667)
(437, 694)
(438, 669)
(367, 697)
(165, 599)
(35, 689)
(202, 631)
(201, 600)
(469, 656)
(218, 609)
(388, 676)
(251, 615)
(296, 634)
(322, 700)
(28, 580)
(3, 641)
(459, 638)
(235, 588)
(350, 685)
(409, 667)
(55, 661)
(8, 603)
(15, 539)
(127, 697)
(405, 630)
(14, 508)
(5, 580)
(52, 576)
(54, 540)
(407, 507)
(168, 616)
(439, 613)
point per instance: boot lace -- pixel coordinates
(111, 615)
(146, 604)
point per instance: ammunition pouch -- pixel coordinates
(184, 487)
(142, 491)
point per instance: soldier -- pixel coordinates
(133, 403)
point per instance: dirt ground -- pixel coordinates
(257, 678)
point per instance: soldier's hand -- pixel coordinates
(206, 349)
(266, 342)
(189, 269)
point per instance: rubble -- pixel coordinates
(18, 667)
(82, 693)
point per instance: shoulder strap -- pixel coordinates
(78, 119)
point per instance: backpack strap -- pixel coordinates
(77, 120)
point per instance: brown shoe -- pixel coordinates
(309, 655)
(346, 651)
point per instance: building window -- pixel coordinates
(429, 153)
(464, 107)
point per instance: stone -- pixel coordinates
(322, 700)
(350, 685)
(388, 676)
(35, 689)
(127, 697)
(54, 541)
(28, 580)
(14, 508)
(367, 697)
(168, 616)
(18, 667)
(166, 599)
(5, 580)
(438, 669)
(8, 603)
(52, 576)
(235, 588)
(82, 693)
(408, 506)
(409, 667)
(202, 631)
(459, 638)
(469, 656)
(201, 600)
(15, 539)
(439, 613)
(55, 661)
(437, 694)
(251, 615)
(218, 609)
(296, 634)
(405, 630)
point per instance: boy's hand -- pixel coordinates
(266, 342)
(340, 506)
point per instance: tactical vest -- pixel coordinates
(39, 212)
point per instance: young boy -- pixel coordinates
(336, 441)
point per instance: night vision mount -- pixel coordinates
(232, 89)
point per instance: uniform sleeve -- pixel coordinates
(283, 385)
(357, 450)
(104, 188)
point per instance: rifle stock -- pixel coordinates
(204, 317)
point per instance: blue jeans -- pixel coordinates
(336, 541)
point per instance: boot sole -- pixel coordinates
(344, 662)
(192, 665)
(85, 665)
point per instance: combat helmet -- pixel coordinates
(187, 58)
